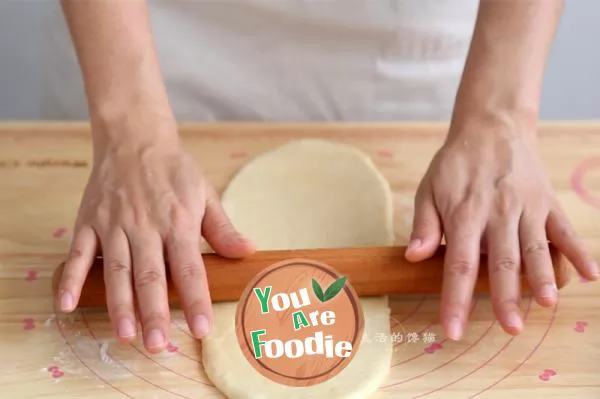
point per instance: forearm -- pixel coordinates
(119, 65)
(504, 71)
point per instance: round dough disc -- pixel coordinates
(306, 194)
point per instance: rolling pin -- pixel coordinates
(371, 272)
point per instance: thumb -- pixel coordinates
(220, 233)
(427, 230)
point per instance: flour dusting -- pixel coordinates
(49, 321)
(104, 356)
(87, 355)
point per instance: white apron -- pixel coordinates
(290, 60)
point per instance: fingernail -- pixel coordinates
(155, 339)
(200, 326)
(66, 302)
(513, 320)
(238, 239)
(548, 291)
(126, 328)
(595, 269)
(414, 244)
(249, 243)
(455, 329)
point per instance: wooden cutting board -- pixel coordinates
(43, 169)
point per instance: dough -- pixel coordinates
(306, 194)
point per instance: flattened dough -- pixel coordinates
(306, 194)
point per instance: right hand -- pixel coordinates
(147, 203)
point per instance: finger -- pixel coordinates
(562, 235)
(427, 229)
(150, 284)
(504, 263)
(461, 264)
(189, 276)
(118, 282)
(81, 256)
(220, 233)
(483, 245)
(536, 257)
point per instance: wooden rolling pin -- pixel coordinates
(371, 271)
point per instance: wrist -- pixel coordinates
(495, 114)
(131, 106)
(133, 127)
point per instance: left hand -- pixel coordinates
(486, 189)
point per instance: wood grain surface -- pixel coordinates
(389, 273)
(44, 167)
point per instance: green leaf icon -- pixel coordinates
(318, 290)
(334, 289)
(330, 292)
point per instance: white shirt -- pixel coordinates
(291, 60)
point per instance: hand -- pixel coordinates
(144, 204)
(486, 189)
